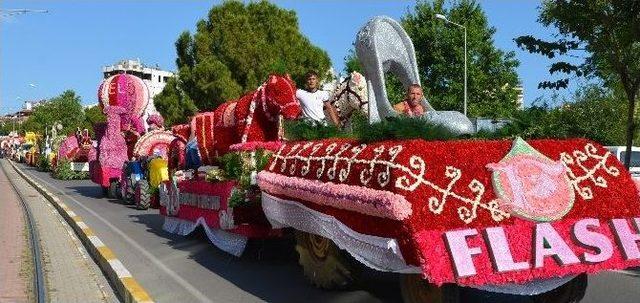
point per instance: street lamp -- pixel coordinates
(444, 18)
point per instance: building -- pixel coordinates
(154, 77)
(23, 114)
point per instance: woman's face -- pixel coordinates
(414, 95)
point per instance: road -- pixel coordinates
(189, 269)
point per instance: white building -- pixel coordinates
(154, 77)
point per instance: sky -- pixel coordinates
(43, 54)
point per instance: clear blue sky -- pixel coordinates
(67, 47)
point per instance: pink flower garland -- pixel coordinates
(363, 200)
(254, 145)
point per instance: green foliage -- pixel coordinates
(606, 34)
(393, 128)
(492, 76)
(43, 163)
(399, 128)
(65, 109)
(240, 166)
(233, 51)
(174, 106)
(231, 164)
(93, 115)
(63, 171)
(303, 129)
(595, 113)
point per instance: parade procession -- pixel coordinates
(255, 172)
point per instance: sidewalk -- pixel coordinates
(71, 275)
(15, 263)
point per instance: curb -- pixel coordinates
(125, 285)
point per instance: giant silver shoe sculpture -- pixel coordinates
(382, 46)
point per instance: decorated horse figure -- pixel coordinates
(253, 117)
(350, 97)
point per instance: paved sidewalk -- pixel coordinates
(71, 275)
(15, 265)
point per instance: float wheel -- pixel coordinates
(113, 190)
(572, 291)
(324, 264)
(127, 191)
(415, 289)
(142, 196)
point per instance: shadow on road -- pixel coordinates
(268, 268)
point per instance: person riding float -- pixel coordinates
(313, 101)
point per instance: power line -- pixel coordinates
(20, 11)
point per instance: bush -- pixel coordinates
(43, 163)
(63, 172)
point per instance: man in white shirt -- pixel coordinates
(313, 101)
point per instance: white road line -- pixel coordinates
(181, 281)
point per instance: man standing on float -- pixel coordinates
(313, 101)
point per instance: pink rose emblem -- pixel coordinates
(531, 185)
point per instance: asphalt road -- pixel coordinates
(189, 269)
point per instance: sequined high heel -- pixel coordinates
(382, 46)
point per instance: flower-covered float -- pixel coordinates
(78, 149)
(509, 216)
(124, 99)
(142, 175)
(31, 148)
(214, 161)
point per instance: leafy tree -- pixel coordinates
(93, 115)
(175, 106)
(609, 32)
(588, 115)
(235, 48)
(440, 54)
(65, 109)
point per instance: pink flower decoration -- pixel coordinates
(254, 145)
(363, 200)
(531, 185)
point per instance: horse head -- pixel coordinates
(280, 93)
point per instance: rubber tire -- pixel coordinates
(572, 291)
(112, 193)
(127, 191)
(142, 196)
(324, 264)
(415, 289)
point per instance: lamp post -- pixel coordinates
(444, 18)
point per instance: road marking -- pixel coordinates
(181, 281)
(105, 258)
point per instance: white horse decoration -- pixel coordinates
(350, 97)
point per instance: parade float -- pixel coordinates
(31, 148)
(126, 138)
(515, 216)
(214, 161)
(78, 150)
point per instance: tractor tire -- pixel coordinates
(142, 196)
(112, 193)
(324, 264)
(415, 289)
(571, 292)
(127, 191)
